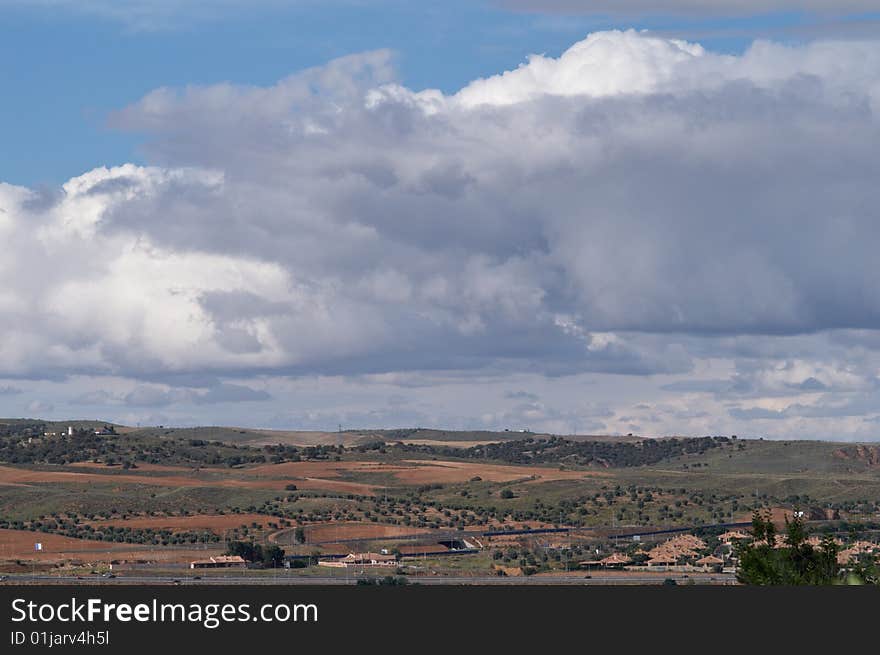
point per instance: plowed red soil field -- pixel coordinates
(214, 522)
(19, 544)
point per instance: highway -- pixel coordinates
(595, 578)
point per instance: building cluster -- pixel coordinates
(220, 562)
(690, 551)
(670, 553)
(682, 550)
(361, 560)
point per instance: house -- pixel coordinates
(729, 537)
(219, 562)
(662, 560)
(681, 547)
(856, 550)
(360, 559)
(709, 561)
(616, 560)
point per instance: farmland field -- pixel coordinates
(170, 496)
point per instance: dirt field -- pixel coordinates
(302, 438)
(322, 469)
(416, 472)
(447, 471)
(216, 523)
(777, 515)
(318, 476)
(19, 544)
(186, 478)
(421, 550)
(141, 467)
(357, 530)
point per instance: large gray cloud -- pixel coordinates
(548, 215)
(637, 206)
(634, 184)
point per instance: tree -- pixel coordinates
(268, 556)
(865, 570)
(273, 556)
(797, 562)
(795, 532)
(244, 549)
(763, 528)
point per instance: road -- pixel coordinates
(595, 579)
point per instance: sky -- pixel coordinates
(573, 216)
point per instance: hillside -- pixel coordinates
(136, 488)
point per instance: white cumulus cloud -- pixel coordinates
(637, 206)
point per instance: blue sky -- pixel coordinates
(386, 214)
(65, 68)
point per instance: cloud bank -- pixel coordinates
(636, 207)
